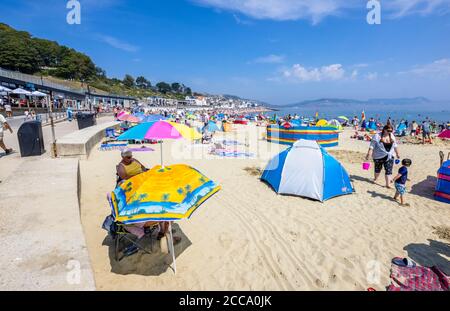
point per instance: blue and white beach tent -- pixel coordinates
(307, 170)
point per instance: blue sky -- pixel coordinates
(278, 51)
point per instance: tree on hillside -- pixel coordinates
(48, 52)
(163, 87)
(143, 83)
(188, 91)
(17, 51)
(99, 72)
(128, 81)
(74, 66)
(176, 87)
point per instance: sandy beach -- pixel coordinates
(246, 237)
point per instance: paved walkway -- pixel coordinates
(43, 245)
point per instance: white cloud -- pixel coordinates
(316, 10)
(371, 76)
(302, 74)
(118, 44)
(269, 59)
(439, 67)
(400, 8)
(241, 21)
(362, 65)
(281, 10)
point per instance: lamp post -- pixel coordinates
(89, 98)
(52, 124)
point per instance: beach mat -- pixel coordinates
(417, 278)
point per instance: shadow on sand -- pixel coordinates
(383, 196)
(425, 188)
(430, 255)
(142, 263)
(360, 178)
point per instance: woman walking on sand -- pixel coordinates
(382, 149)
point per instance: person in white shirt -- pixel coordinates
(8, 110)
(4, 125)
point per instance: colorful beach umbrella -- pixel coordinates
(162, 194)
(343, 118)
(129, 118)
(213, 127)
(136, 132)
(322, 122)
(160, 130)
(121, 113)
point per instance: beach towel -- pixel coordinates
(229, 142)
(109, 147)
(231, 153)
(417, 278)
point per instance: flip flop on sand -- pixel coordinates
(403, 262)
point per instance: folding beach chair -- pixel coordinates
(118, 231)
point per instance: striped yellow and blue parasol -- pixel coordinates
(162, 194)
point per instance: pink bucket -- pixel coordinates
(366, 166)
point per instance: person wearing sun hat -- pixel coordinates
(129, 166)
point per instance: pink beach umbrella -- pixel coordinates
(170, 130)
(128, 117)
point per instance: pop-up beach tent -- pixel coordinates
(442, 192)
(307, 170)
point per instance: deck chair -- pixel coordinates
(119, 231)
(110, 135)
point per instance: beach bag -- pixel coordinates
(110, 225)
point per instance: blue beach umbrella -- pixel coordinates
(212, 127)
(137, 132)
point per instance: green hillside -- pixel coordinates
(19, 51)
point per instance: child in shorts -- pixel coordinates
(400, 181)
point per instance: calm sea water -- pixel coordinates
(439, 112)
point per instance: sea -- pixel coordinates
(435, 111)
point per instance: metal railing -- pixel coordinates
(39, 81)
(15, 75)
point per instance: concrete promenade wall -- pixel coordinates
(80, 143)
